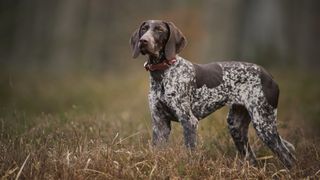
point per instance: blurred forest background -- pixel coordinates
(68, 83)
(92, 35)
(43, 42)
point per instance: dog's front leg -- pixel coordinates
(189, 123)
(190, 126)
(161, 122)
(161, 128)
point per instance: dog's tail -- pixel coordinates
(288, 145)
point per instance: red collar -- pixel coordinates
(161, 66)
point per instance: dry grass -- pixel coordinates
(89, 127)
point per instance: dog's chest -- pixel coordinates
(177, 82)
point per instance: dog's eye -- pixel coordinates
(158, 29)
(144, 28)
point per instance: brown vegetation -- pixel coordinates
(85, 127)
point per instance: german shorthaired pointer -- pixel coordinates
(186, 92)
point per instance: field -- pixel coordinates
(85, 126)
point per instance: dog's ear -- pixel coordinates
(134, 42)
(176, 41)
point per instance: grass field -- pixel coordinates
(90, 126)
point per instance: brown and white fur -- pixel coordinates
(187, 92)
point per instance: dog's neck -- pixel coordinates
(156, 59)
(156, 75)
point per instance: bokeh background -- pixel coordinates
(65, 36)
(47, 42)
(66, 66)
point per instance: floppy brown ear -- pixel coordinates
(176, 41)
(134, 41)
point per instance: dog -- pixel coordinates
(186, 92)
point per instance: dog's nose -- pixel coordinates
(143, 41)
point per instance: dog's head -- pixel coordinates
(156, 36)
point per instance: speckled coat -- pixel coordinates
(188, 92)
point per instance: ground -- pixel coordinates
(98, 126)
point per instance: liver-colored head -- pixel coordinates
(156, 36)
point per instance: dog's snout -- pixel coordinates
(143, 41)
(146, 43)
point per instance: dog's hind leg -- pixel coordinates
(238, 123)
(264, 122)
